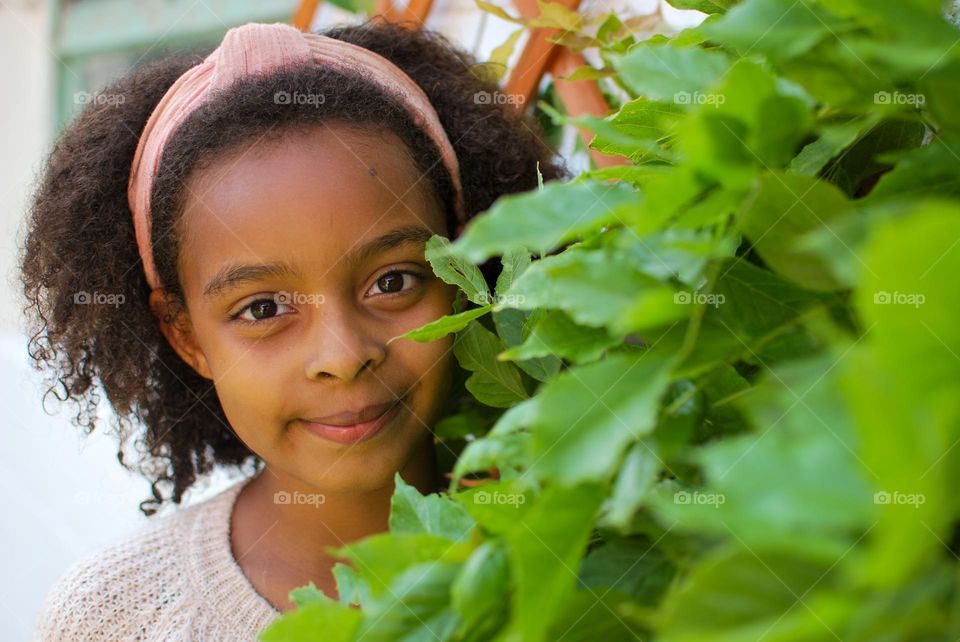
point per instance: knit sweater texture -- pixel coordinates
(175, 579)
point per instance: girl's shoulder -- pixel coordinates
(140, 585)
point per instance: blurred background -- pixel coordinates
(68, 494)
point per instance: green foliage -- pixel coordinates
(718, 387)
(413, 513)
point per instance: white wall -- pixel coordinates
(25, 108)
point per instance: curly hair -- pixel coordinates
(80, 240)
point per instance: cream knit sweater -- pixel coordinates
(175, 579)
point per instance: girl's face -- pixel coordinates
(300, 260)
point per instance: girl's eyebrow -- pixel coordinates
(233, 275)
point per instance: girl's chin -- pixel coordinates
(363, 465)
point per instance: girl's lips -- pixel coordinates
(356, 432)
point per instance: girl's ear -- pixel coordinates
(176, 327)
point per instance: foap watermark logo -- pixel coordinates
(899, 98)
(296, 498)
(499, 499)
(486, 298)
(699, 298)
(498, 98)
(298, 298)
(899, 298)
(896, 498)
(698, 98)
(298, 98)
(98, 298)
(87, 98)
(697, 498)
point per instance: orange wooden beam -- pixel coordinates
(537, 55)
(580, 97)
(387, 10)
(417, 11)
(303, 16)
(583, 98)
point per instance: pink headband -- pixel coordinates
(260, 48)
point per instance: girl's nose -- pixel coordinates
(340, 347)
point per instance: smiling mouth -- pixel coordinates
(349, 428)
(350, 418)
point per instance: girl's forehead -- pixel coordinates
(313, 196)
(354, 160)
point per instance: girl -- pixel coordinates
(227, 251)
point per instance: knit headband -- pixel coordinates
(259, 49)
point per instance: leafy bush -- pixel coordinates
(718, 388)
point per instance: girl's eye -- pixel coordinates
(393, 282)
(259, 310)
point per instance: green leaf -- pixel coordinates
(752, 302)
(506, 444)
(588, 616)
(755, 121)
(900, 48)
(339, 624)
(505, 452)
(411, 512)
(513, 326)
(500, 56)
(723, 388)
(444, 325)
(669, 73)
(683, 414)
(546, 545)
(477, 594)
(901, 384)
(556, 16)
(781, 209)
(589, 414)
(798, 482)
(633, 567)
(834, 138)
(635, 175)
(706, 6)
(596, 288)
(742, 594)
(415, 609)
(611, 26)
(640, 130)
(456, 271)
(777, 28)
(676, 254)
(494, 383)
(378, 559)
(461, 425)
(498, 505)
(303, 595)
(555, 333)
(514, 262)
(634, 481)
(941, 92)
(350, 587)
(931, 170)
(836, 76)
(495, 10)
(870, 155)
(542, 219)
